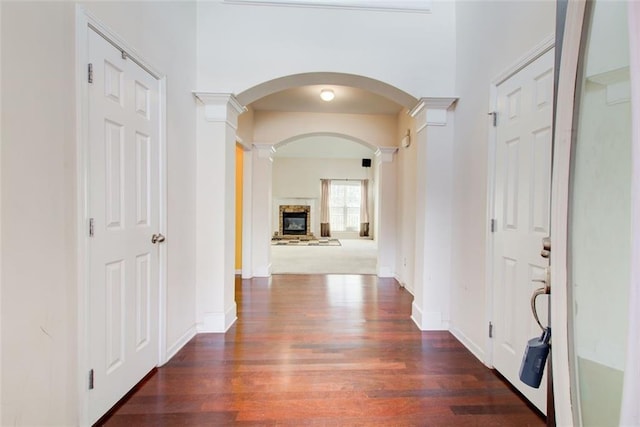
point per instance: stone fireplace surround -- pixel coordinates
(295, 209)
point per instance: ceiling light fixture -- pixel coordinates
(327, 95)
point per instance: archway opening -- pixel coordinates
(347, 245)
(286, 114)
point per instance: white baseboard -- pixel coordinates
(416, 315)
(432, 321)
(246, 273)
(404, 285)
(428, 321)
(218, 322)
(474, 348)
(230, 317)
(180, 342)
(262, 271)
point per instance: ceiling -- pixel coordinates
(348, 100)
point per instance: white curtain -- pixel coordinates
(364, 208)
(325, 229)
(630, 411)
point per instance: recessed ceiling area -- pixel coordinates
(306, 99)
(325, 147)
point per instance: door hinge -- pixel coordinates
(490, 330)
(492, 225)
(91, 227)
(91, 379)
(90, 73)
(494, 118)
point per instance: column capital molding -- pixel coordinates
(246, 146)
(221, 107)
(386, 154)
(431, 111)
(264, 150)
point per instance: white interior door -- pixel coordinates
(123, 202)
(521, 211)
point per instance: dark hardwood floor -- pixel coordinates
(324, 351)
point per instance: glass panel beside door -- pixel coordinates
(600, 217)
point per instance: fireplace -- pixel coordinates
(294, 223)
(295, 220)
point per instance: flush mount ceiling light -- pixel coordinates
(327, 95)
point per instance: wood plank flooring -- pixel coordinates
(324, 350)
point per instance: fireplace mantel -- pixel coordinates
(294, 209)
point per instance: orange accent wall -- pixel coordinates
(239, 173)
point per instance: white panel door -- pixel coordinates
(521, 211)
(123, 200)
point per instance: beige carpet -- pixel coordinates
(352, 257)
(305, 242)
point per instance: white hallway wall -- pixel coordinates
(406, 203)
(242, 46)
(39, 280)
(273, 43)
(272, 127)
(491, 36)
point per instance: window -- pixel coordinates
(344, 206)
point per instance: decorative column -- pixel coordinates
(261, 217)
(432, 274)
(385, 220)
(215, 211)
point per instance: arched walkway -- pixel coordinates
(215, 182)
(258, 182)
(296, 80)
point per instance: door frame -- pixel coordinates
(536, 52)
(86, 21)
(560, 181)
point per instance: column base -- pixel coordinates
(428, 321)
(218, 322)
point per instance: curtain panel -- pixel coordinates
(364, 208)
(325, 228)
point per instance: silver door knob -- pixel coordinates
(157, 238)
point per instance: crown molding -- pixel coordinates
(432, 111)
(413, 6)
(246, 146)
(386, 154)
(264, 150)
(221, 107)
(213, 98)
